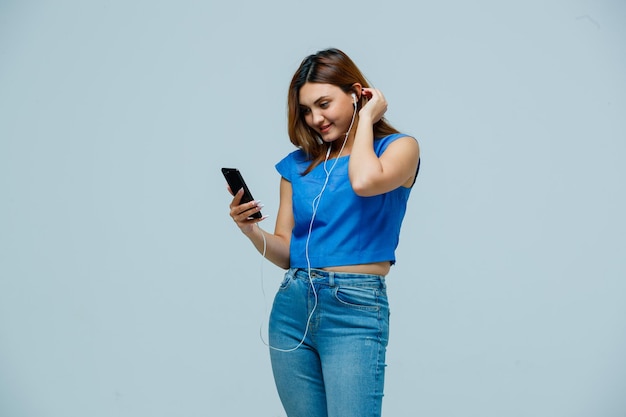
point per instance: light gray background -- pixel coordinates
(126, 290)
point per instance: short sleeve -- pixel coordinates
(289, 165)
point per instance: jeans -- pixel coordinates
(328, 345)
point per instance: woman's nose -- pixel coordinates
(318, 118)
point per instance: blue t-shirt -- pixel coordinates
(347, 229)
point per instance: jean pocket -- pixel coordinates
(364, 298)
(286, 282)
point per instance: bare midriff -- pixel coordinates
(377, 268)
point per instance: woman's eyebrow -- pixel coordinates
(320, 99)
(316, 102)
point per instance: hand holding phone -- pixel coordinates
(235, 182)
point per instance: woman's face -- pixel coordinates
(327, 109)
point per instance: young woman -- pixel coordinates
(343, 195)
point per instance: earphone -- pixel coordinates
(315, 204)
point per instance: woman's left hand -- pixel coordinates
(376, 105)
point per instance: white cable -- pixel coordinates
(315, 204)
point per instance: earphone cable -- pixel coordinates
(315, 205)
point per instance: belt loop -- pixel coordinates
(331, 279)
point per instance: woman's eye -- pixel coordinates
(324, 104)
(305, 110)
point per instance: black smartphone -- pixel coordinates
(235, 182)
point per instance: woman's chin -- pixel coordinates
(329, 137)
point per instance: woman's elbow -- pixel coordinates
(363, 188)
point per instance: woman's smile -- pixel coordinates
(325, 128)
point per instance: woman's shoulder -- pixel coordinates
(381, 143)
(295, 157)
(293, 162)
(393, 136)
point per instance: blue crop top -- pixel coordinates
(348, 229)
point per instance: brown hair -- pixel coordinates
(330, 66)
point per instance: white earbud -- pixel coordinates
(354, 98)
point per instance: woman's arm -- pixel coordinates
(277, 244)
(372, 175)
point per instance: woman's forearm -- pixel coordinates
(274, 248)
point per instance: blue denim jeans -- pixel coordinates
(338, 369)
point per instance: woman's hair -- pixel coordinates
(330, 66)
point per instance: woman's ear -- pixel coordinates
(357, 88)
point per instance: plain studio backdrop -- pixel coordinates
(126, 289)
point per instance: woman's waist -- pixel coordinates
(369, 261)
(375, 268)
(358, 273)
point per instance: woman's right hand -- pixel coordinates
(241, 213)
(376, 105)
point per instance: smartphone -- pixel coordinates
(235, 182)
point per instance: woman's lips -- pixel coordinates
(325, 128)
